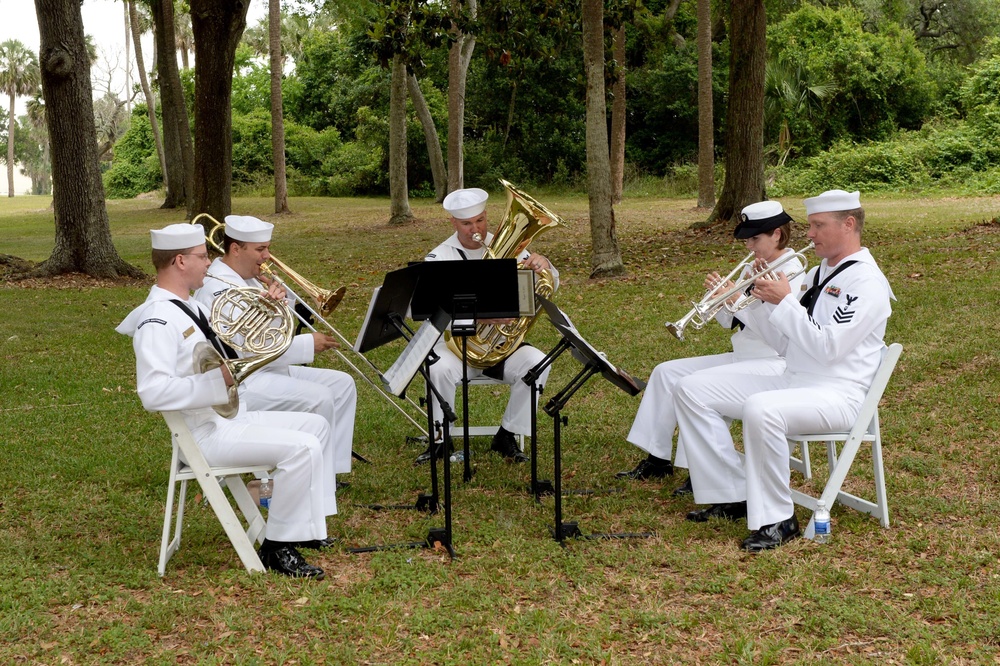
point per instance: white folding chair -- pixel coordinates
(865, 429)
(187, 463)
(484, 431)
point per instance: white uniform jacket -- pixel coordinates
(749, 343)
(164, 338)
(840, 345)
(302, 349)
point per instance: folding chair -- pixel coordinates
(865, 429)
(484, 431)
(187, 463)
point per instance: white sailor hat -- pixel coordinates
(463, 204)
(759, 218)
(178, 236)
(832, 201)
(248, 229)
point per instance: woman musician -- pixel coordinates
(765, 228)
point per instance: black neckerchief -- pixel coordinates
(202, 321)
(811, 296)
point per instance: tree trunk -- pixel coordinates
(459, 57)
(744, 182)
(83, 233)
(10, 147)
(217, 26)
(399, 206)
(618, 119)
(606, 258)
(277, 119)
(430, 137)
(706, 114)
(177, 146)
(133, 16)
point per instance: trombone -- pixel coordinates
(713, 301)
(326, 301)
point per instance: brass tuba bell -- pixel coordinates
(524, 219)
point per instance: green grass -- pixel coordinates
(86, 468)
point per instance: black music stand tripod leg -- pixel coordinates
(538, 488)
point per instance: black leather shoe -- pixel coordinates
(289, 562)
(684, 489)
(648, 469)
(505, 444)
(317, 544)
(772, 536)
(729, 510)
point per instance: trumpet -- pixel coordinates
(714, 300)
(326, 300)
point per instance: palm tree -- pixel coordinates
(19, 76)
(788, 93)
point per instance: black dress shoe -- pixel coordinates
(317, 544)
(684, 489)
(772, 536)
(648, 469)
(505, 444)
(729, 510)
(289, 562)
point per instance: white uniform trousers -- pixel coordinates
(329, 393)
(446, 375)
(771, 408)
(655, 422)
(290, 441)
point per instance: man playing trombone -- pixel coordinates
(765, 228)
(833, 340)
(285, 385)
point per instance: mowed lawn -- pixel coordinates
(81, 501)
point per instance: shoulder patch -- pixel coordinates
(151, 320)
(220, 292)
(431, 255)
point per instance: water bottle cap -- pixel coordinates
(820, 504)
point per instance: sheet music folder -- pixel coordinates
(586, 354)
(401, 373)
(489, 286)
(391, 300)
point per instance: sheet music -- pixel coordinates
(399, 375)
(368, 316)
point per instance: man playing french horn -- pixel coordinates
(467, 211)
(166, 330)
(765, 228)
(284, 385)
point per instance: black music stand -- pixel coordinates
(594, 362)
(384, 323)
(468, 291)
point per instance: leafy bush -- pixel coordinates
(135, 167)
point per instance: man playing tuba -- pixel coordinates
(467, 211)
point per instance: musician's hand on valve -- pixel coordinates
(537, 262)
(322, 342)
(771, 290)
(715, 284)
(275, 290)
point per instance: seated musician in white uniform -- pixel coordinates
(284, 385)
(467, 210)
(765, 228)
(164, 332)
(833, 341)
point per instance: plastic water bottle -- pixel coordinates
(266, 487)
(821, 521)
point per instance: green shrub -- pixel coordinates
(135, 167)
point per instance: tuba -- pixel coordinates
(251, 323)
(524, 219)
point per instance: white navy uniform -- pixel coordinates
(447, 372)
(655, 421)
(831, 359)
(282, 385)
(164, 339)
